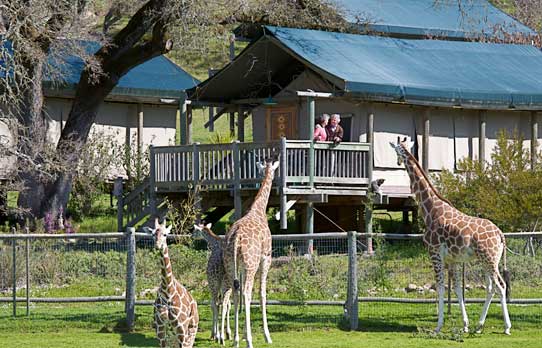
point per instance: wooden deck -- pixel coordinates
(305, 166)
(225, 175)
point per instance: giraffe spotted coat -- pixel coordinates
(247, 249)
(453, 238)
(215, 278)
(174, 305)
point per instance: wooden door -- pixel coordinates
(281, 122)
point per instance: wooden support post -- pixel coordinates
(425, 147)
(405, 217)
(139, 140)
(118, 192)
(128, 147)
(237, 202)
(211, 122)
(240, 124)
(183, 121)
(482, 137)
(195, 165)
(27, 270)
(152, 182)
(283, 197)
(232, 47)
(368, 209)
(14, 273)
(352, 297)
(189, 132)
(309, 226)
(232, 124)
(130, 299)
(534, 138)
(178, 127)
(310, 132)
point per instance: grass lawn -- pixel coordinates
(85, 325)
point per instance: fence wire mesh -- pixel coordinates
(307, 284)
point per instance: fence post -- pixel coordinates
(27, 267)
(352, 297)
(130, 278)
(14, 270)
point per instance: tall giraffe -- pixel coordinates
(174, 305)
(247, 248)
(215, 278)
(453, 238)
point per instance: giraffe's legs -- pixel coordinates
(235, 317)
(228, 328)
(247, 294)
(215, 332)
(500, 287)
(490, 290)
(438, 266)
(226, 305)
(265, 265)
(458, 276)
(191, 329)
(180, 333)
(160, 320)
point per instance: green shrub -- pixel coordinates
(506, 190)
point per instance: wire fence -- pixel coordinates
(314, 280)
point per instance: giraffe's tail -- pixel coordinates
(236, 283)
(506, 273)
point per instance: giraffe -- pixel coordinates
(453, 238)
(215, 278)
(174, 305)
(248, 248)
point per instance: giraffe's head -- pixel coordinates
(402, 148)
(268, 167)
(160, 233)
(198, 230)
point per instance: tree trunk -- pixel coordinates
(128, 49)
(86, 104)
(31, 136)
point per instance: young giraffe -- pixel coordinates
(247, 248)
(174, 305)
(215, 278)
(453, 237)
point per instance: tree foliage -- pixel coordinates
(505, 190)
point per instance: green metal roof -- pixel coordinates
(451, 19)
(157, 77)
(449, 73)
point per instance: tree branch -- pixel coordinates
(140, 23)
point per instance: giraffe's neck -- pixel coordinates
(213, 241)
(259, 205)
(168, 279)
(426, 194)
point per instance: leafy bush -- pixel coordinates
(507, 190)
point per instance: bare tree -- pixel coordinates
(36, 29)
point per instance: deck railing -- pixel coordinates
(304, 164)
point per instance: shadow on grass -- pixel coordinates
(284, 321)
(137, 340)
